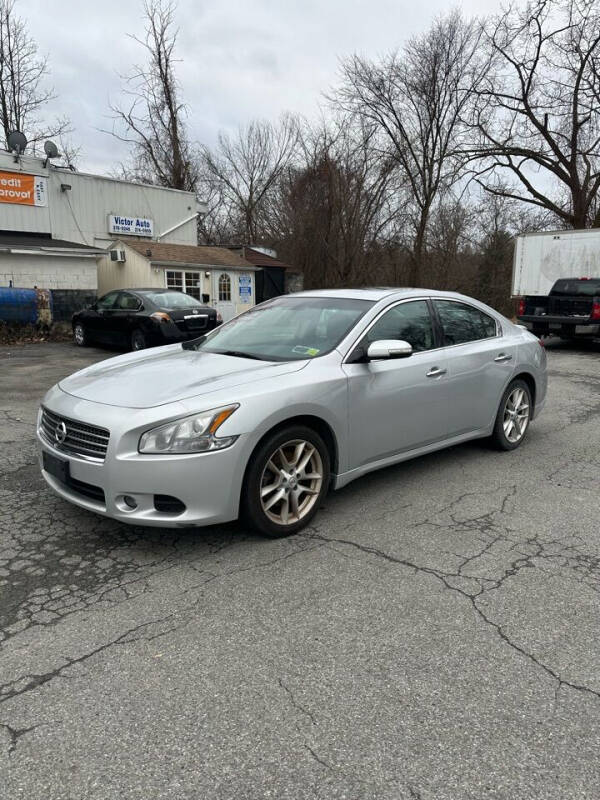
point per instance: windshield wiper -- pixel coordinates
(192, 344)
(238, 354)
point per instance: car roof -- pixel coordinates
(378, 293)
(157, 289)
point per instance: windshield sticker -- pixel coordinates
(306, 351)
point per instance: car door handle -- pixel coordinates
(503, 357)
(435, 372)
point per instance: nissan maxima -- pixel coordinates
(261, 417)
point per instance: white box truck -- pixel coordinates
(556, 280)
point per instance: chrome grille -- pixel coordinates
(80, 440)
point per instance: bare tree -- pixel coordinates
(216, 226)
(153, 119)
(23, 73)
(538, 115)
(246, 168)
(417, 98)
(334, 210)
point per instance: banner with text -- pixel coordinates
(22, 189)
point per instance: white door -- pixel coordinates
(223, 294)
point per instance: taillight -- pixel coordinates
(595, 310)
(521, 307)
(160, 316)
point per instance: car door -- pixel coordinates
(99, 320)
(479, 362)
(396, 405)
(124, 317)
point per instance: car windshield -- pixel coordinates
(172, 299)
(287, 328)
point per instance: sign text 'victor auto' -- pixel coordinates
(131, 226)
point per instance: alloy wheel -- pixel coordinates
(291, 482)
(516, 415)
(138, 341)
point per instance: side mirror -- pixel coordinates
(389, 348)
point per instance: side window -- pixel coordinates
(108, 300)
(408, 321)
(462, 323)
(127, 302)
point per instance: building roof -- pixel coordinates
(260, 259)
(32, 241)
(186, 254)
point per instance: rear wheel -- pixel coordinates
(513, 416)
(286, 481)
(138, 340)
(80, 336)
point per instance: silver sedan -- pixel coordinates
(303, 393)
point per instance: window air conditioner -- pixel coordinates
(117, 255)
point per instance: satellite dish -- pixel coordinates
(17, 142)
(51, 149)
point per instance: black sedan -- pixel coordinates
(139, 318)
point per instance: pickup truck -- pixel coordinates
(571, 310)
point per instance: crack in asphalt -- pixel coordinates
(27, 683)
(15, 734)
(295, 703)
(444, 578)
(34, 681)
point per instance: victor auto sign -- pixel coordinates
(130, 226)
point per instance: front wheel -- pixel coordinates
(286, 480)
(513, 416)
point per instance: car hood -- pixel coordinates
(166, 375)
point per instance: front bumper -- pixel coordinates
(208, 484)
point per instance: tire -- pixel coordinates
(80, 336)
(138, 340)
(504, 436)
(301, 496)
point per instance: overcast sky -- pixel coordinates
(239, 58)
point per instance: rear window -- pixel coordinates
(172, 299)
(576, 288)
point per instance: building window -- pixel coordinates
(193, 284)
(188, 282)
(224, 288)
(175, 281)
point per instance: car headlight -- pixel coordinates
(193, 434)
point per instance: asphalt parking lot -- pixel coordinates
(433, 635)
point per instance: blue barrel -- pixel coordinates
(18, 305)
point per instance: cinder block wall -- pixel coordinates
(48, 272)
(66, 301)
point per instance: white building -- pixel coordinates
(214, 275)
(56, 226)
